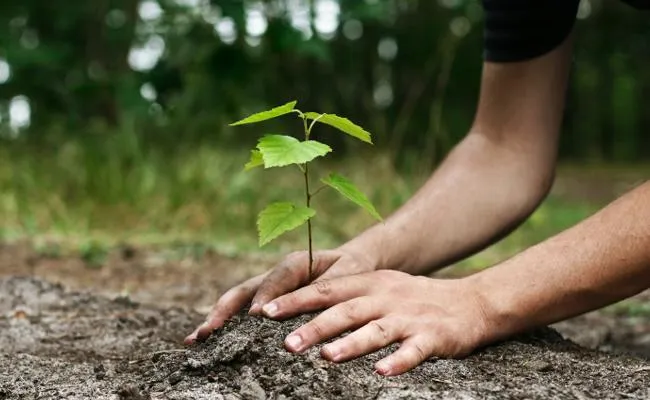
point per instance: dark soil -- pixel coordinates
(72, 345)
(193, 276)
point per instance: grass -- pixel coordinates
(633, 308)
(122, 191)
(90, 196)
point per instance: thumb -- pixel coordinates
(291, 274)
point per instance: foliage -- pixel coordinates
(266, 115)
(342, 124)
(76, 63)
(281, 150)
(342, 185)
(279, 218)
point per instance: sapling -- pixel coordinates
(282, 150)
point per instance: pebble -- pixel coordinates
(251, 390)
(540, 366)
(175, 377)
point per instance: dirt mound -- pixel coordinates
(65, 345)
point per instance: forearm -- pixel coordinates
(479, 193)
(492, 180)
(598, 262)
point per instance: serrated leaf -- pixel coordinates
(342, 124)
(266, 115)
(351, 192)
(279, 218)
(280, 150)
(256, 160)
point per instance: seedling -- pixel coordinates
(281, 151)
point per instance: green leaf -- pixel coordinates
(255, 161)
(351, 192)
(265, 115)
(279, 218)
(280, 150)
(342, 124)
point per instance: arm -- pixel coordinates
(598, 262)
(489, 184)
(492, 180)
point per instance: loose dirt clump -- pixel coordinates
(57, 344)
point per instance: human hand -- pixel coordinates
(430, 317)
(290, 274)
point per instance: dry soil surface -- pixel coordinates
(85, 341)
(59, 344)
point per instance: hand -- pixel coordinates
(290, 274)
(443, 318)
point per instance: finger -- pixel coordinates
(411, 353)
(320, 294)
(373, 336)
(336, 320)
(290, 274)
(228, 305)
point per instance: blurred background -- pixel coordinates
(114, 113)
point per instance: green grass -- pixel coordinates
(632, 308)
(93, 195)
(120, 190)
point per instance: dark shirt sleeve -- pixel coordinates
(518, 30)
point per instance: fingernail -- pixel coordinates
(383, 368)
(270, 309)
(294, 342)
(332, 353)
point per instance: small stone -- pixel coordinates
(100, 371)
(193, 363)
(131, 392)
(251, 390)
(175, 377)
(540, 366)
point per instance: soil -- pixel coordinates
(62, 343)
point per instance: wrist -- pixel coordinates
(499, 307)
(369, 246)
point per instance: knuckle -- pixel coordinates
(273, 282)
(348, 310)
(314, 329)
(379, 327)
(418, 351)
(288, 299)
(323, 288)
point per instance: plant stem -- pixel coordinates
(308, 198)
(318, 190)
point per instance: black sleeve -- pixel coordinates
(517, 30)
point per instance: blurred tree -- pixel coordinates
(407, 69)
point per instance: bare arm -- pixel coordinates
(600, 261)
(492, 180)
(488, 185)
